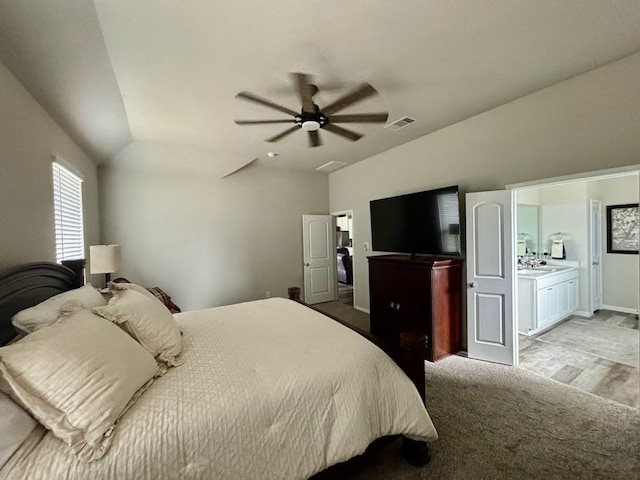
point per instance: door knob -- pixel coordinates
(306, 264)
(472, 284)
(596, 263)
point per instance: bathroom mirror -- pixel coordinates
(528, 226)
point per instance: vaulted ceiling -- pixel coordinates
(167, 72)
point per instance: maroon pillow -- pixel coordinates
(165, 299)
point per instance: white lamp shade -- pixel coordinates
(104, 258)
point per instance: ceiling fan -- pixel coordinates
(311, 118)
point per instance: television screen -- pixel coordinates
(424, 222)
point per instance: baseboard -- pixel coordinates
(620, 309)
(583, 313)
(365, 310)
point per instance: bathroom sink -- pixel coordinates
(547, 268)
(540, 270)
(529, 272)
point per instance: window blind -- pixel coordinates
(449, 223)
(67, 201)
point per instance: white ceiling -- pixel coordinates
(167, 71)
(57, 51)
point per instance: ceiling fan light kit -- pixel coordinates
(310, 125)
(311, 118)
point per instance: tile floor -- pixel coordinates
(597, 354)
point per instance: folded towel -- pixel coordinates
(557, 250)
(522, 248)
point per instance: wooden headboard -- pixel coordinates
(27, 285)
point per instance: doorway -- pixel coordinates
(493, 244)
(344, 257)
(577, 306)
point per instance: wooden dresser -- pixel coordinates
(422, 295)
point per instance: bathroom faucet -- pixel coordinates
(531, 262)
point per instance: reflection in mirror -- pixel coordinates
(528, 229)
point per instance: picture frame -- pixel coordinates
(623, 229)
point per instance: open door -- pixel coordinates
(319, 258)
(595, 241)
(491, 321)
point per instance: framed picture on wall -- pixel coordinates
(623, 228)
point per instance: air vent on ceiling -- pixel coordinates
(401, 123)
(331, 166)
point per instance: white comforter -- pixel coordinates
(268, 390)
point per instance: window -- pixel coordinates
(67, 202)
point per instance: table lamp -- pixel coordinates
(104, 259)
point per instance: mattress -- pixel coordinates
(268, 389)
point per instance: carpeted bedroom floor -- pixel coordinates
(498, 422)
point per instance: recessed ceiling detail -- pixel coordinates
(331, 166)
(166, 72)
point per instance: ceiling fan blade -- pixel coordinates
(314, 139)
(363, 91)
(280, 136)
(343, 132)
(250, 97)
(304, 91)
(360, 118)
(260, 122)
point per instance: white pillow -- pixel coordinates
(148, 321)
(117, 286)
(45, 313)
(77, 377)
(15, 427)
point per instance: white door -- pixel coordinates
(491, 327)
(542, 317)
(319, 252)
(563, 298)
(553, 303)
(595, 274)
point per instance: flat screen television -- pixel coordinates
(417, 223)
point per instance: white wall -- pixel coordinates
(586, 123)
(345, 223)
(528, 196)
(620, 278)
(564, 208)
(28, 138)
(208, 241)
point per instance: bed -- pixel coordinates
(266, 389)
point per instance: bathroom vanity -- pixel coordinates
(547, 294)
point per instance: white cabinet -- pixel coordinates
(573, 295)
(546, 298)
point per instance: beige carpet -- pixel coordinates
(500, 422)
